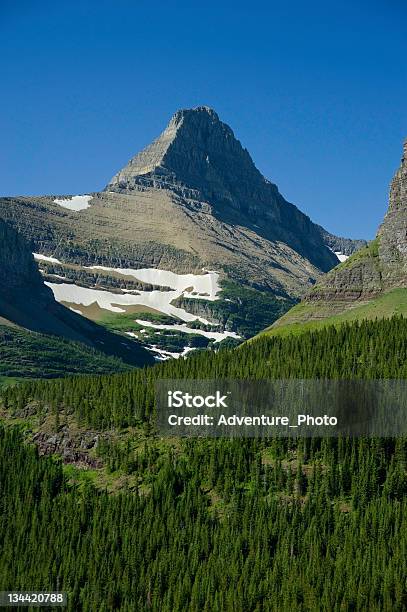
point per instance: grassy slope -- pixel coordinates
(301, 317)
(315, 314)
(6, 381)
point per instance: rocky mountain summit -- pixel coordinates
(392, 234)
(193, 199)
(198, 158)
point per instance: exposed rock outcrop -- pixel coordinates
(17, 266)
(392, 234)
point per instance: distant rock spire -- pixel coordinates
(398, 186)
(393, 231)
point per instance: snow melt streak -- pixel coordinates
(216, 336)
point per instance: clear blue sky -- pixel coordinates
(317, 92)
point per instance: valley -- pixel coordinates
(203, 313)
(239, 518)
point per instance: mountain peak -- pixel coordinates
(197, 157)
(193, 117)
(204, 112)
(192, 140)
(398, 186)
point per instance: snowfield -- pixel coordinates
(76, 203)
(203, 286)
(217, 336)
(194, 286)
(39, 257)
(114, 302)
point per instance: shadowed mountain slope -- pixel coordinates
(29, 304)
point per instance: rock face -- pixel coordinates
(17, 266)
(198, 158)
(380, 266)
(392, 234)
(19, 275)
(345, 246)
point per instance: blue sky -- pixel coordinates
(315, 90)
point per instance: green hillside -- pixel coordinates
(123, 519)
(26, 354)
(311, 315)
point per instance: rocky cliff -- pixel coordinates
(381, 265)
(392, 234)
(22, 287)
(17, 266)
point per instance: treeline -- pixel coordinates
(366, 350)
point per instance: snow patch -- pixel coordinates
(158, 300)
(76, 203)
(165, 355)
(39, 257)
(204, 286)
(216, 336)
(341, 256)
